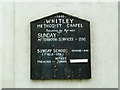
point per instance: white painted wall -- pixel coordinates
(16, 43)
(1, 55)
(7, 45)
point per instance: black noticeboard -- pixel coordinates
(60, 48)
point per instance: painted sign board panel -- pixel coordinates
(60, 48)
